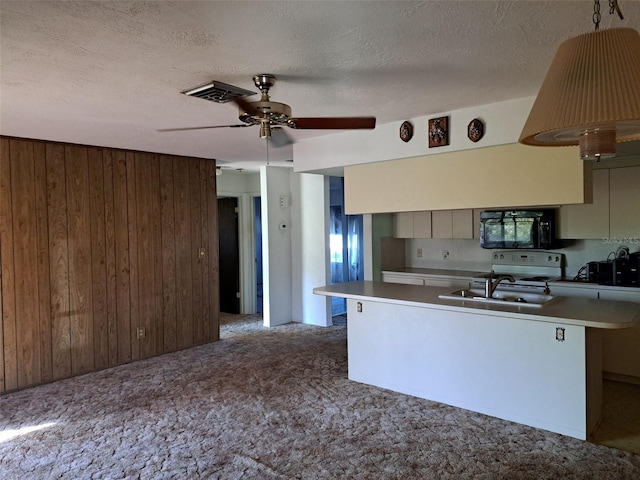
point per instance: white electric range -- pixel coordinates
(531, 269)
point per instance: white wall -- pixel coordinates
(310, 248)
(503, 125)
(295, 260)
(277, 256)
(233, 183)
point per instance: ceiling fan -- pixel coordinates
(269, 116)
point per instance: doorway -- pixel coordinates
(345, 244)
(229, 255)
(257, 206)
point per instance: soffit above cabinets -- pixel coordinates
(503, 176)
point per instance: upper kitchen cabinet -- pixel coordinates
(412, 225)
(588, 220)
(452, 223)
(403, 225)
(436, 224)
(503, 176)
(614, 211)
(624, 200)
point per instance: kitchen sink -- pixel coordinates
(501, 297)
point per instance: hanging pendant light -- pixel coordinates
(591, 94)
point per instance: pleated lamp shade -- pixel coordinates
(590, 96)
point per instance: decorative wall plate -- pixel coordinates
(438, 132)
(475, 130)
(406, 131)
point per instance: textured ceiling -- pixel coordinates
(110, 73)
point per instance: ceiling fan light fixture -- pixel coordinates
(265, 130)
(590, 96)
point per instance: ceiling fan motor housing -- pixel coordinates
(264, 81)
(278, 113)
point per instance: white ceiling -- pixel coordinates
(110, 73)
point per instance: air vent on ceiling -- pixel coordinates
(218, 92)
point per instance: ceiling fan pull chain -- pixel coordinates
(614, 7)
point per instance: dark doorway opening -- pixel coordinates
(257, 205)
(229, 255)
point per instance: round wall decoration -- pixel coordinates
(406, 131)
(475, 130)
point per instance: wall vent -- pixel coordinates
(218, 92)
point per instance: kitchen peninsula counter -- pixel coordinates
(536, 366)
(583, 312)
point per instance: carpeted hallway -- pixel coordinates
(270, 404)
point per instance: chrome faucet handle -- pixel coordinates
(488, 285)
(491, 285)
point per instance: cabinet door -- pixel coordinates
(453, 283)
(406, 279)
(462, 223)
(442, 224)
(421, 224)
(572, 291)
(625, 205)
(621, 348)
(403, 225)
(588, 220)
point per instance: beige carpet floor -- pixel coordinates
(271, 404)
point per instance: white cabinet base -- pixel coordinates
(507, 368)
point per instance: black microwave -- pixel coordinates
(518, 228)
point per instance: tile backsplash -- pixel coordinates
(467, 254)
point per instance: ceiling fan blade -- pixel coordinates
(333, 123)
(280, 138)
(242, 125)
(245, 106)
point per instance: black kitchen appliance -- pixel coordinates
(625, 270)
(634, 269)
(622, 271)
(530, 229)
(603, 273)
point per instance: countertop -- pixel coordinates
(437, 272)
(583, 312)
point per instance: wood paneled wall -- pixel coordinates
(95, 244)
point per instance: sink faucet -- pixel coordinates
(491, 284)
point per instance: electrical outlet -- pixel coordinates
(141, 332)
(419, 253)
(445, 254)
